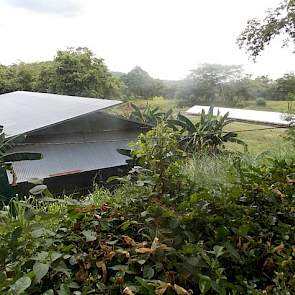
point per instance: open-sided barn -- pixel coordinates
(78, 141)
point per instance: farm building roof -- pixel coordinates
(262, 117)
(24, 112)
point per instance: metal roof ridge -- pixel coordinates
(61, 119)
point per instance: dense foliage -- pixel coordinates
(162, 231)
(72, 72)
(206, 135)
(80, 72)
(149, 115)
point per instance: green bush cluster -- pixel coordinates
(260, 101)
(164, 230)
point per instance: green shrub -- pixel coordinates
(167, 229)
(261, 102)
(206, 135)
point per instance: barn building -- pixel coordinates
(77, 140)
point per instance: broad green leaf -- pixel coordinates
(218, 250)
(48, 292)
(232, 251)
(37, 230)
(244, 229)
(38, 189)
(204, 284)
(148, 272)
(54, 256)
(21, 285)
(120, 267)
(89, 235)
(64, 290)
(40, 270)
(36, 180)
(29, 214)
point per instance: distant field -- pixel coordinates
(275, 106)
(258, 141)
(165, 104)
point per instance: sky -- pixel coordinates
(167, 38)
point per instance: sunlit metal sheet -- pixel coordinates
(24, 112)
(263, 117)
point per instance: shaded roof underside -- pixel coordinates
(23, 112)
(74, 156)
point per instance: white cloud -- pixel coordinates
(60, 7)
(165, 37)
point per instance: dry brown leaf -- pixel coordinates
(279, 248)
(155, 243)
(102, 265)
(81, 275)
(180, 291)
(123, 252)
(162, 288)
(109, 255)
(127, 291)
(86, 209)
(290, 180)
(98, 217)
(119, 280)
(142, 244)
(268, 265)
(145, 250)
(129, 241)
(278, 192)
(105, 208)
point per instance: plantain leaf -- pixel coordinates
(21, 285)
(40, 270)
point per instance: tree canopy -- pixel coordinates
(140, 84)
(72, 72)
(259, 33)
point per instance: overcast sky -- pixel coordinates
(167, 38)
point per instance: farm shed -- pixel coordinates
(78, 141)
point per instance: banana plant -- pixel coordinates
(6, 160)
(149, 115)
(207, 134)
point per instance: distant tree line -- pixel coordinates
(72, 72)
(79, 72)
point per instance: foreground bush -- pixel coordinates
(161, 232)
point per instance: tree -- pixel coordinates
(206, 83)
(7, 79)
(23, 77)
(140, 84)
(285, 87)
(259, 33)
(79, 72)
(237, 91)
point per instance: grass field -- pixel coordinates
(258, 141)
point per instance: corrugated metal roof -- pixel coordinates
(74, 157)
(23, 112)
(264, 117)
